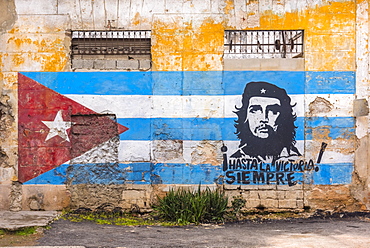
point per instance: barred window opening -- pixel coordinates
(263, 44)
(134, 42)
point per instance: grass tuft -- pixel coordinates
(112, 218)
(20, 232)
(185, 206)
(26, 231)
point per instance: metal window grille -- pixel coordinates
(264, 44)
(135, 42)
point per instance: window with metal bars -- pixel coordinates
(263, 44)
(133, 42)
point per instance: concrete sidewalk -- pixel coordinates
(10, 220)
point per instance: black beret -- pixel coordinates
(264, 89)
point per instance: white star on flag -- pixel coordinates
(58, 127)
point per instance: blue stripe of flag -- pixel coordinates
(173, 173)
(193, 82)
(331, 82)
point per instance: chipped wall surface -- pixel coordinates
(116, 136)
(8, 15)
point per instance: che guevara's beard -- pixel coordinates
(263, 130)
(263, 147)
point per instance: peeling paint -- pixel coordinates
(337, 198)
(229, 7)
(54, 62)
(18, 59)
(168, 150)
(321, 133)
(13, 31)
(138, 20)
(7, 122)
(45, 45)
(320, 105)
(329, 19)
(324, 49)
(193, 48)
(207, 153)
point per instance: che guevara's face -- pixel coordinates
(262, 113)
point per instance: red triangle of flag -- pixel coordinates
(53, 129)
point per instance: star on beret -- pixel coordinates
(263, 91)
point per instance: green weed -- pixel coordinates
(108, 218)
(25, 231)
(185, 206)
(237, 204)
(103, 222)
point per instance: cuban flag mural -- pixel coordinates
(215, 127)
(45, 125)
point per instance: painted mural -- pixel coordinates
(249, 127)
(45, 129)
(267, 152)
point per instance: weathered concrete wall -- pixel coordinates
(361, 184)
(181, 113)
(8, 15)
(8, 109)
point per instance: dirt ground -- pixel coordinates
(14, 239)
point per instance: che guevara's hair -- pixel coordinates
(286, 131)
